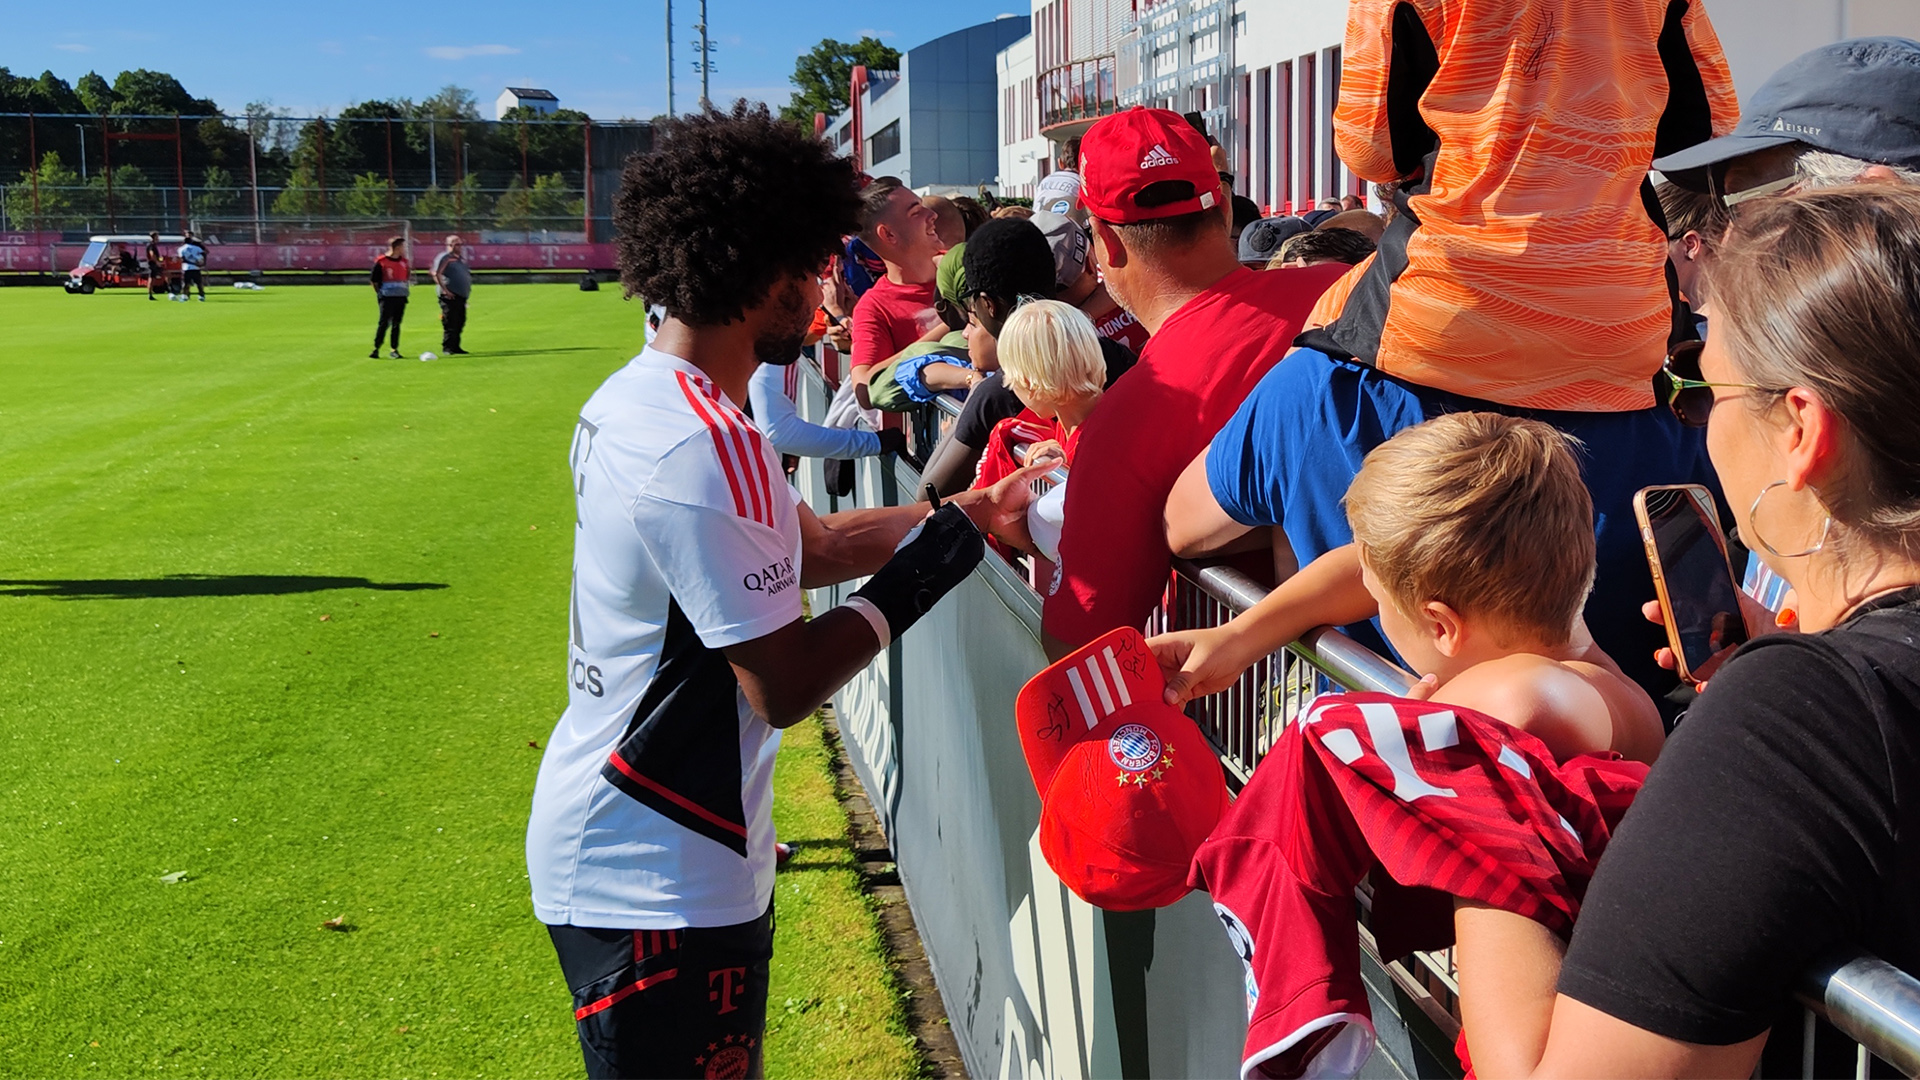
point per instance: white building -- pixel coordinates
(934, 123)
(1025, 154)
(541, 101)
(1265, 74)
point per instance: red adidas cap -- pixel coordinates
(1123, 153)
(1128, 785)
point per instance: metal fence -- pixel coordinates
(1872, 1006)
(525, 180)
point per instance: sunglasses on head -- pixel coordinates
(1686, 393)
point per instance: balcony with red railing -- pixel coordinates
(1075, 94)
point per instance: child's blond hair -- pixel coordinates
(1049, 349)
(1483, 512)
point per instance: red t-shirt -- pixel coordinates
(889, 318)
(1120, 325)
(1150, 425)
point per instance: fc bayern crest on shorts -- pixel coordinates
(1134, 747)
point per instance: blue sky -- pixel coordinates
(604, 57)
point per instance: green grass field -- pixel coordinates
(280, 627)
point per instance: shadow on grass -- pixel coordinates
(190, 585)
(487, 354)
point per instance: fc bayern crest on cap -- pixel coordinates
(1134, 747)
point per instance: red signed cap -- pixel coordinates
(1123, 155)
(1128, 785)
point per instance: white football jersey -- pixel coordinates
(1058, 192)
(653, 809)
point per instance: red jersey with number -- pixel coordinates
(1120, 325)
(1442, 802)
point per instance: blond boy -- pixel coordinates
(1049, 356)
(1474, 545)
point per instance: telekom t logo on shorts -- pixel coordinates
(732, 980)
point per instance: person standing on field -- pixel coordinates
(156, 267)
(389, 277)
(193, 257)
(650, 849)
(455, 282)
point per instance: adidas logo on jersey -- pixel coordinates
(1157, 157)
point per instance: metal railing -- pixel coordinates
(1866, 1000)
(1080, 90)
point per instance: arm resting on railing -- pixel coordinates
(1328, 591)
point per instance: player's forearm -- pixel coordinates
(793, 671)
(855, 543)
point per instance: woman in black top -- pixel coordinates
(1781, 825)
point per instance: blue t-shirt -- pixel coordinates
(1289, 453)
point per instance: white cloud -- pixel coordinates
(73, 46)
(463, 52)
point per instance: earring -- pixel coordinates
(1753, 521)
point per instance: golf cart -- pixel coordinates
(115, 262)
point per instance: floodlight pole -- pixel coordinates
(253, 178)
(82, 129)
(180, 173)
(706, 57)
(33, 163)
(669, 59)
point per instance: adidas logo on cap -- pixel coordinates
(1157, 157)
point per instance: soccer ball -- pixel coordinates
(426, 356)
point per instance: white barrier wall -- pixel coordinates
(1037, 983)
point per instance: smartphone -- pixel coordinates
(1691, 573)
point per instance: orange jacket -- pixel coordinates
(1535, 276)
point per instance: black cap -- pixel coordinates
(1007, 258)
(1263, 238)
(1859, 98)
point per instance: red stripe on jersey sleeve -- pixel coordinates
(754, 441)
(700, 409)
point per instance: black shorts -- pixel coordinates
(669, 1003)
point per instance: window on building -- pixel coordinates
(1029, 108)
(1330, 183)
(1283, 132)
(1308, 127)
(1263, 138)
(884, 144)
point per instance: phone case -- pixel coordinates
(1704, 498)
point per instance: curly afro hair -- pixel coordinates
(725, 207)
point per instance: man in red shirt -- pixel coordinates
(898, 310)
(1161, 235)
(390, 283)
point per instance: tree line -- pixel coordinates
(433, 159)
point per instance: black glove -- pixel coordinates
(893, 441)
(937, 555)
